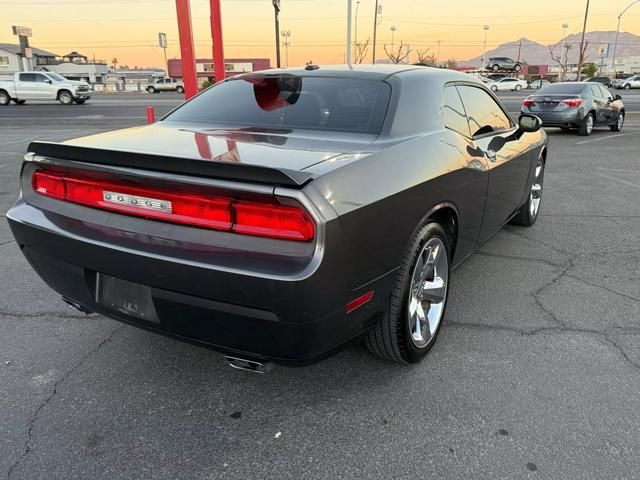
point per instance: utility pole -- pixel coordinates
(519, 50)
(393, 31)
(581, 56)
(355, 41)
(615, 45)
(348, 54)
(484, 53)
(377, 13)
(286, 40)
(276, 12)
(563, 52)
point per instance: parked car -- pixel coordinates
(606, 81)
(513, 84)
(503, 63)
(627, 83)
(280, 216)
(578, 105)
(494, 77)
(39, 86)
(165, 85)
(539, 83)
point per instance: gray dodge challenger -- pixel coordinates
(280, 216)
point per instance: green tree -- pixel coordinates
(590, 70)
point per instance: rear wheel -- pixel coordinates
(528, 213)
(518, 88)
(627, 86)
(19, 102)
(495, 68)
(65, 97)
(494, 88)
(587, 127)
(151, 90)
(417, 304)
(619, 123)
(517, 67)
(180, 89)
(4, 98)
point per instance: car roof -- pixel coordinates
(368, 71)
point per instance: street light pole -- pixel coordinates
(356, 24)
(286, 40)
(581, 56)
(377, 12)
(348, 56)
(563, 53)
(393, 31)
(484, 53)
(276, 12)
(615, 45)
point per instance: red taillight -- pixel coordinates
(264, 219)
(528, 102)
(573, 102)
(49, 185)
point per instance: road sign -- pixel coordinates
(162, 40)
(603, 50)
(22, 31)
(28, 52)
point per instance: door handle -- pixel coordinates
(491, 155)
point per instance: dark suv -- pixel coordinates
(577, 105)
(503, 63)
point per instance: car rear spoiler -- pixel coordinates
(176, 165)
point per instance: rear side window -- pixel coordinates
(286, 101)
(454, 115)
(563, 89)
(484, 114)
(27, 77)
(596, 91)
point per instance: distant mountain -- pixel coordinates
(537, 54)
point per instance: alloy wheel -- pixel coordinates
(428, 292)
(535, 197)
(4, 99)
(620, 121)
(589, 124)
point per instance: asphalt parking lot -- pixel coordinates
(536, 373)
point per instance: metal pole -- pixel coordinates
(563, 52)
(581, 53)
(348, 55)
(355, 36)
(166, 63)
(277, 19)
(187, 57)
(216, 37)
(375, 30)
(484, 53)
(615, 45)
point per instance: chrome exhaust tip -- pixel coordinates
(248, 365)
(76, 305)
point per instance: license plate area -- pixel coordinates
(132, 299)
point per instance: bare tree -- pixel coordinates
(561, 60)
(425, 58)
(361, 51)
(399, 55)
(452, 64)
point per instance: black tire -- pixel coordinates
(390, 338)
(526, 216)
(627, 87)
(65, 97)
(494, 88)
(619, 123)
(180, 89)
(584, 130)
(80, 102)
(517, 67)
(5, 99)
(151, 90)
(19, 102)
(518, 88)
(495, 68)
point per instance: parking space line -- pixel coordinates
(607, 137)
(636, 172)
(619, 180)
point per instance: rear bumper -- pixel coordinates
(293, 320)
(571, 117)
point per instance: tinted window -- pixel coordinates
(27, 77)
(485, 115)
(40, 78)
(596, 91)
(453, 112)
(563, 89)
(288, 101)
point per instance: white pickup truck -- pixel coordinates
(38, 86)
(165, 85)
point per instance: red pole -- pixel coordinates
(151, 115)
(216, 36)
(189, 76)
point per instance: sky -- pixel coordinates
(127, 29)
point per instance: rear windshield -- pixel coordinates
(287, 101)
(562, 89)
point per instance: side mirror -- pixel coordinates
(49, 81)
(618, 97)
(529, 123)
